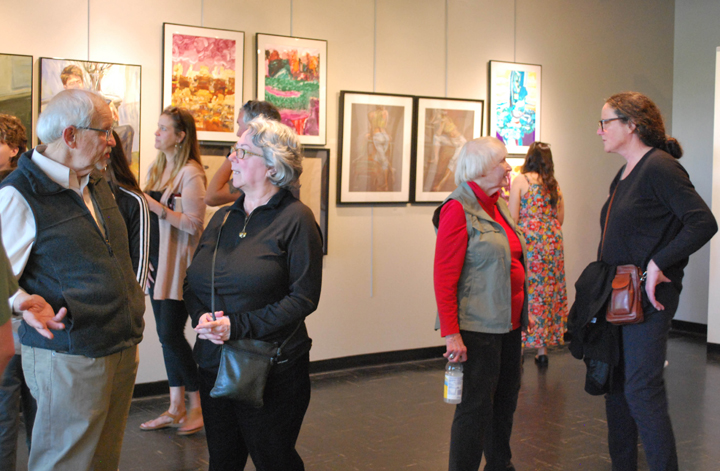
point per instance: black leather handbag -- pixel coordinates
(245, 363)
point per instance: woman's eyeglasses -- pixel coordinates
(603, 122)
(241, 153)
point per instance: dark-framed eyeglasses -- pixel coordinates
(241, 153)
(108, 132)
(603, 122)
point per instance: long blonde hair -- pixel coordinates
(188, 148)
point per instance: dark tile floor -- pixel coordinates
(393, 418)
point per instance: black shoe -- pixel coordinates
(541, 360)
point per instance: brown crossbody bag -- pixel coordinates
(625, 303)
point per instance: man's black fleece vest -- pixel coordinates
(73, 265)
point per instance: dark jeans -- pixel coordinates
(641, 408)
(170, 319)
(268, 434)
(483, 420)
(13, 392)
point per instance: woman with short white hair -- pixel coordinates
(267, 278)
(481, 293)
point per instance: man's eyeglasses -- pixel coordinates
(108, 132)
(602, 122)
(241, 153)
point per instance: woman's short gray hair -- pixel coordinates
(477, 157)
(281, 149)
(70, 107)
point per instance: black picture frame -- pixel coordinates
(374, 148)
(442, 126)
(314, 188)
(515, 104)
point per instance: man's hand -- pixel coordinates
(39, 314)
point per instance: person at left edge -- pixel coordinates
(14, 393)
(82, 307)
(8, 287)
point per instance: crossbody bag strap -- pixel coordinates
(212, 291)
(607, 218)
(212, 272)
(279, 350)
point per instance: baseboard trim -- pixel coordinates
(375, 359)
(689, 327)
(156, 388)
(713, 348)
(323, 366)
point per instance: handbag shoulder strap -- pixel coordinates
(212, 272)
(279, 350)
(607, 217)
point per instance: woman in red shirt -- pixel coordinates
(481, 292)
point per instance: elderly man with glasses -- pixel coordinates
(81, 305)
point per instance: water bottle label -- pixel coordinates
(453, 387)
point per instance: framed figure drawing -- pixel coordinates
(443, 126)
(375, 148)
(514, 103)
(292, 75)
(203, 72)
(118, 83)
(16, 88)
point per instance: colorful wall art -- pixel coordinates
(515, 99)
(203, 72)
(292, 76)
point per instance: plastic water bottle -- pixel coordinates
(453, 383)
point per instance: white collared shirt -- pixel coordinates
(16, 217)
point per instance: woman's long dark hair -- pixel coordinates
(118, 173)
(645, 115)
(539, 160)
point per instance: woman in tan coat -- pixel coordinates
(175, 192)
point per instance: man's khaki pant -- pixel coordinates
(82, 408)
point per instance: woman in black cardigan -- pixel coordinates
(656, 221)
(268, 274)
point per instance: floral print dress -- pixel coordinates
(547, 294)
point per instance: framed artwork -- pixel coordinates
(16, 88)
(514, 103)
(203, 72)
(118, 83)
(375, 142)
(443, 126)
(292, 75)
(314, 187)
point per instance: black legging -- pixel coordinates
(170, 319)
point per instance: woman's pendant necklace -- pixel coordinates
(243, 234)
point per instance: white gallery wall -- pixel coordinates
(377, 291)
(697, 37)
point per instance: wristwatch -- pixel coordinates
(163, 215)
